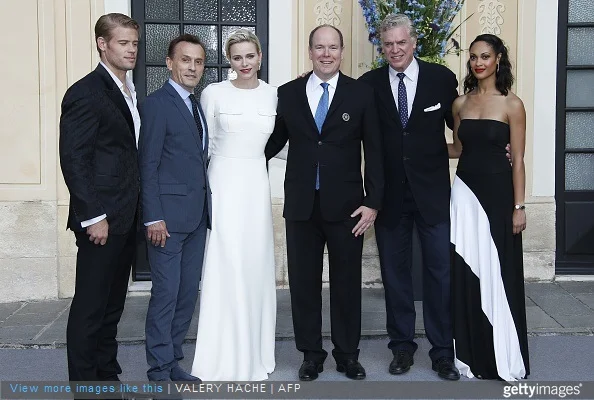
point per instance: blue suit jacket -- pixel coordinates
(174, 184)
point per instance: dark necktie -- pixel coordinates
(197, 117)
(402, 102)
(320, 116)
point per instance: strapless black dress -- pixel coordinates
(490, 333)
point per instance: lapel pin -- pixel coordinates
(346, 117)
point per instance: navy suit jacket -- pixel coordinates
(418, 152)
(173, 163)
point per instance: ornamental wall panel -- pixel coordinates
(312, 13)
(20, 153)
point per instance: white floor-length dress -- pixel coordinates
(237, 319)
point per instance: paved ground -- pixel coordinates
(552, 358)
(560, 323)
(565, 308)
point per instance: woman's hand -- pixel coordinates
(519, 221)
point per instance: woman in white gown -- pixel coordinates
(236, 326)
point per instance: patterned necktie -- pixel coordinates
(402, 102)
(197, 117)
(320, 116)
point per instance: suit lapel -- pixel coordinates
(304, 103)
(384, 92)
(184, 111)
(423, 89)
(115, 95)
(340, 94)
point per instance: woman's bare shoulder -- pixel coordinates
(514, 104)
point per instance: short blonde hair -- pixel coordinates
(240, 36)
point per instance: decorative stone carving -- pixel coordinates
(491, 16)
(328, 12)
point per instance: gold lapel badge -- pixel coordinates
(346, 117)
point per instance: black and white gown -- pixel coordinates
(490, 333)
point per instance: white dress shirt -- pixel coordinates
(133, 106)
(410, 82)
(314, 91)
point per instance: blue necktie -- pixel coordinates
(402, 102)
(320, 116)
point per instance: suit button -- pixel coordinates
(315, 165)
(320, 143)
(405, 158)
(405, 133)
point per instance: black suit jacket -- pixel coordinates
(98, 153)
(351, 119)
(419, 152)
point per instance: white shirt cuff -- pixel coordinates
(93, 221)
(152, 222)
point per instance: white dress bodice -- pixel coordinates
(239, 120)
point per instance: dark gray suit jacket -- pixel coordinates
(173, 163)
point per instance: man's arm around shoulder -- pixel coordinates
(280, 134)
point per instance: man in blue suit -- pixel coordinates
(173, 154)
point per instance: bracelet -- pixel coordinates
(520, 207)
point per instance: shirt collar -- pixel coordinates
(117, 81)
(315, 80)
(411, 72)
(183, 93)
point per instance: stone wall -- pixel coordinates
(56, 48)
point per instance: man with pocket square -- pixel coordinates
(414, 100)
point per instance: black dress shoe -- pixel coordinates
(309, 370)
(401, 363)
(353, 369)
(445, 369)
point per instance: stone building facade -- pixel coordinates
(52, 46)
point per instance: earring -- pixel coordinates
(497, 70)
(259, 65)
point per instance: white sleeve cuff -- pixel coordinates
(93, 221)
(152, 222)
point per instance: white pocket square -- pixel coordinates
(433, 108)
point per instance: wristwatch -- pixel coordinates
(520, 207)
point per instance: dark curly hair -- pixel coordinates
(504, 77)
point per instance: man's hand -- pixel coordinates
(367, 218)
(157, 233)
(98, 232)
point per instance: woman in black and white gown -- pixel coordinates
(487, 217)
